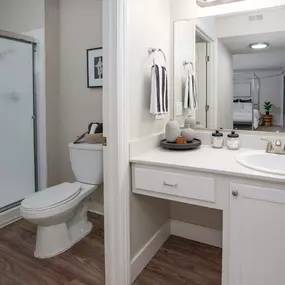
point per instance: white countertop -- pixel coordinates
(206, 159)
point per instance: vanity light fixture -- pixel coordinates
(261, 45)
(208, 3)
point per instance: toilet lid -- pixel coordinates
(52, 197)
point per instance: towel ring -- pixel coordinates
(154, 51)
(190, 64)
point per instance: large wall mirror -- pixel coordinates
(229, 71)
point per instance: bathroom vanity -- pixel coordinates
(253, 205)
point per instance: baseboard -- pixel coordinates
(10, 216)
(98, 212)
(144, 256)
(196, 233)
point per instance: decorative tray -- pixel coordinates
(190, 145)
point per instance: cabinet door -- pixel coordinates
(257, 237)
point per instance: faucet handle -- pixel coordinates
(269, 146)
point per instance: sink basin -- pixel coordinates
(262, 161)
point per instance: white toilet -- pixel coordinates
(60, 212)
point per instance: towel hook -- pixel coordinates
(189, 63)
(154, 51)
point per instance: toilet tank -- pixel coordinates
(87, 162)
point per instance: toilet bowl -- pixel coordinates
(60, 212)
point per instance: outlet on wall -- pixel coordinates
(179, 109)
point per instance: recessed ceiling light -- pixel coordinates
(259, 45)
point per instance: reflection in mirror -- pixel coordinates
(237, 71)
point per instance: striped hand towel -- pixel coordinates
(190, 96)
(159, 90)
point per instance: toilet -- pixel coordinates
(60, 212)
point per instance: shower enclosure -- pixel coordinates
(18, 144)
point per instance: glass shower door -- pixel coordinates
(17, 145)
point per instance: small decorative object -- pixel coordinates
(174, 146)
(233, 141)
(181, 140)
(198, 126)
(267, 120)
(188, 134)
(95, 67)
(267, 106)
(217, 139)
(172, 131)
(190, 122)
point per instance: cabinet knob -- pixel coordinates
(235, 193)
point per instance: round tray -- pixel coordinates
(190, 145)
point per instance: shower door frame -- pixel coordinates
(27, 40)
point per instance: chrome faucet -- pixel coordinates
(277, 148)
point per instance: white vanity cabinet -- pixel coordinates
(253, 216)
(257, 236)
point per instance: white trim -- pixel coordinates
(10, 216)
(148, 251)
(100, 213)
(40, 74)
(196, 233)
(116, 154)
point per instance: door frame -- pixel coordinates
(211, 118)
(116, 153)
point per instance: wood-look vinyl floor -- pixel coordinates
(178, 262)
(183, 262)
(83, 264)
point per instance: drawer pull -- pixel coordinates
(170, 185)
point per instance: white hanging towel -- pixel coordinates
(190, 92)
(159, 90)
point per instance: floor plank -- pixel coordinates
(183, 262)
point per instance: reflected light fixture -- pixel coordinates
(208, 3)
(261, 45)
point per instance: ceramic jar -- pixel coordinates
(189, 134)
(217, 139)
(189, 122)
(172, 131)
(233, 141)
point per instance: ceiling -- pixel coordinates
(240, 44)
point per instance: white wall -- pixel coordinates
(230, 26)
(274, 59)
(20, 16)
(225, 88)
(80, 28)
(152, 31)
(185, 9)
(148, 26)
(52, 90)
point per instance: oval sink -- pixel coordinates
(262, 161)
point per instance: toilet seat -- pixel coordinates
(51, 197)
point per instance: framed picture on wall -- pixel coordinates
(95, 68)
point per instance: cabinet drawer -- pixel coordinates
(182, 185)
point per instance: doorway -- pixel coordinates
(202, 68)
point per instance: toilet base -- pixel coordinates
(54, 240)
